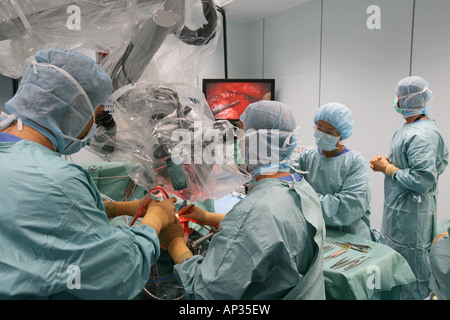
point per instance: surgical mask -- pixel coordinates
(408, 112)
(77, 144)
(325, 141)
(396, 105)
(405, 112)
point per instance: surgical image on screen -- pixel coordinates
(228, 100)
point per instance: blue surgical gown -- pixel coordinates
(269, 247)
(55, 240)
(409, 216)
(343, 186)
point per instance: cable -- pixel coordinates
(141, 208)
(412, 38)
(225, 49)
(129, 190)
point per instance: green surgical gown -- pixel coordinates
(342, 184)
(440, 268)
(409, 216)
(269, 247)
(55, 240)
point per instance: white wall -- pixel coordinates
(320, 54)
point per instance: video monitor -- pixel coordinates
(228, 98)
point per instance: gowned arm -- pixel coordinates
(352, 201)
(224, 273)
(421, 175)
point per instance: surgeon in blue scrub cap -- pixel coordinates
(417, 157)
(269, 245)
(279, 122)
(58, 97)
(413, 95)
(55, 239)
(340, 176)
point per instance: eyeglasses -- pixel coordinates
(334, 133)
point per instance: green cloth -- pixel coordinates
(440, 268)
(442, 227)
(351, 284)
(112, 180)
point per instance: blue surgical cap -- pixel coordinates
(414, 94)
(267, 114)
(339, 116)
(51, 100)
(274, 122)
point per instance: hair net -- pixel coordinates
(414, 94)
(61, 101)
(269, 128)
(339, 116)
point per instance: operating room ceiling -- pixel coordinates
(252, 10)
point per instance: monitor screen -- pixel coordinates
(228, 98)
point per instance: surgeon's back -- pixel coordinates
(269, 247)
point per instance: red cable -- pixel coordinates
(136, 216)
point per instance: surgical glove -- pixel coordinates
(379, 163)
(172, 238)
(119, 208)
(391, 169)
(202, 217)
(160, 214)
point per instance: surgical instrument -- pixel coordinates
(356, 263)
(328, 248)
(195, 245)
(338, 253)
(218, 110)
(185, 209)
(357, 247)
(344, 262)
